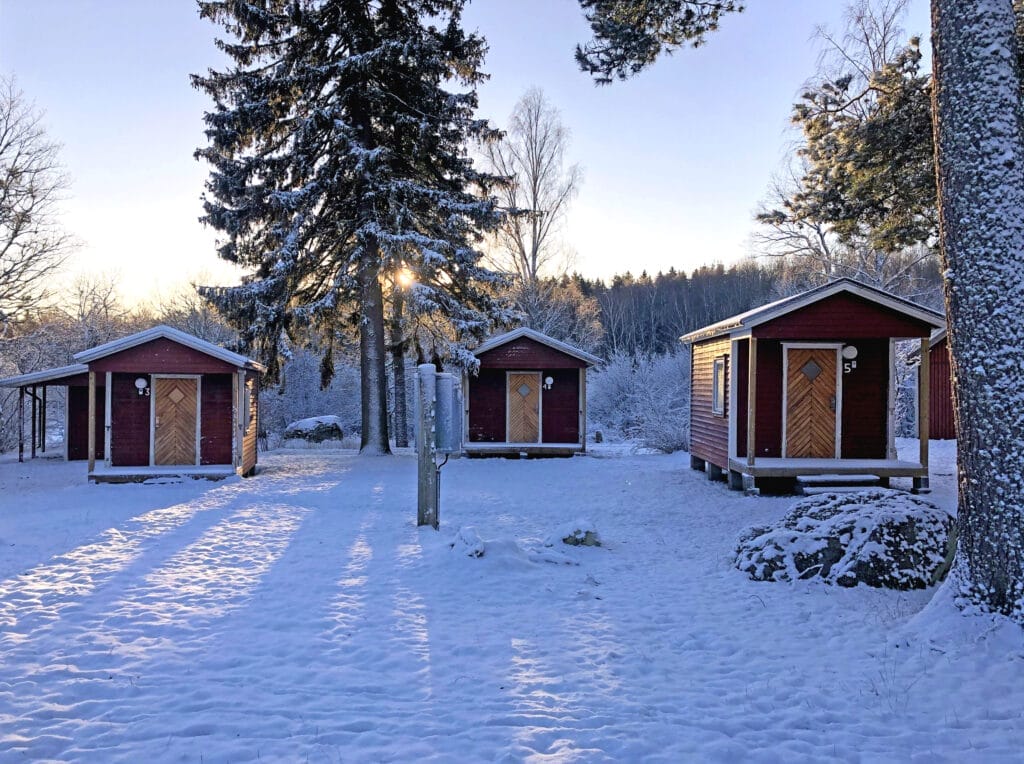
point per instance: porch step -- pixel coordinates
(814, 484)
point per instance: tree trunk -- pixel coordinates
(979, 139)
(398, 369)
(373, 376)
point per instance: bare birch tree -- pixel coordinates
(32, 244)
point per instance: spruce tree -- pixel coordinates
(337, 144)
(977, 81)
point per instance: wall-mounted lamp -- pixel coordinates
(849, 358)
(142, 385)
(548, 382)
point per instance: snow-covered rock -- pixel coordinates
(316, 429)
(881, 538)
(579, 532)
(468, 542)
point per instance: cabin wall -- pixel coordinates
(865, 403)
(129, 422)
(560, 407)
(161, 356)
(216, 407)
(249, 434)
(78, 422)
(842, 316)
(524, 354)
(487, 404)
(709, 432)
(941, 425)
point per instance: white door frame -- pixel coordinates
(838, 348)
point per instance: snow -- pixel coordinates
(309, 423)
(301, 614)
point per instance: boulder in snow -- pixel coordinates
(315, 429)
(881, 538)
(577, 533)
(467, 541)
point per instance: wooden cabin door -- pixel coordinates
(175, 424)
(524, 407)
(811, 403)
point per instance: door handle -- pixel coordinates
(832, 403)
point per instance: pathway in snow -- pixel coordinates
(302, 614)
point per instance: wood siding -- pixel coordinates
(78, 422)
(941, 422)
(560, 407)
(487, 406)
(865, 403)
(216, 409)
(524, 407)
(842, 317)
(176, 403)
(249, 447)
(161, 356)
(129, 423)
(811, 403)
(525, 354)
(709, 432)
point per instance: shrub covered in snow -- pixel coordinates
(644, 398)
(880, 537)
(316, 429)
(468, 542)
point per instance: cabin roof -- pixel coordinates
(45, 376)
(765, 313)
(533, 334)
(175, 335)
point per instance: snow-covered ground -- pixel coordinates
(302, 615)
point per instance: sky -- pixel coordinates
(675, 161)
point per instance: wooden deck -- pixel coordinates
(141, 474)
(883, 468)
(521, 449)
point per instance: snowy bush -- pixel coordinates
(467, 541)
(643, 398)
(880, 537)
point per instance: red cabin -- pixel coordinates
(155, 403)
(806, 387)
(528, 397)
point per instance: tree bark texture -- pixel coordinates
(979, 139)
(374, 389)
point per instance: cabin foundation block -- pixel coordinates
(715, 472)
(920, 485)
(735, 480)
(696, 463)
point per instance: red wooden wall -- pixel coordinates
(487, 407)
(940, 394)
(161, 356)
(844, 317)
(525, 354)
(560, 407)
(129, 423)
(78, 422)
(216, 409)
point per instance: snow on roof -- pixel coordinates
(773, 310)
(533, 334)
(46, 375)
(175, 335)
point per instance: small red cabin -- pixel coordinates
(155, 403)
(806, 387)
(528, 397)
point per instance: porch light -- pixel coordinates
(849, 352)
(548, 382)
(142, 385)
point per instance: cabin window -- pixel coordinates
(718, 396)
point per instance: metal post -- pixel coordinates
(21, 424)
(426, 448)
(35, 419)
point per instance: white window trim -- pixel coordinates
(719, 401)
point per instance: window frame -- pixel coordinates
(719, 386)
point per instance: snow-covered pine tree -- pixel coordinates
(338, 153)
(978, 73)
